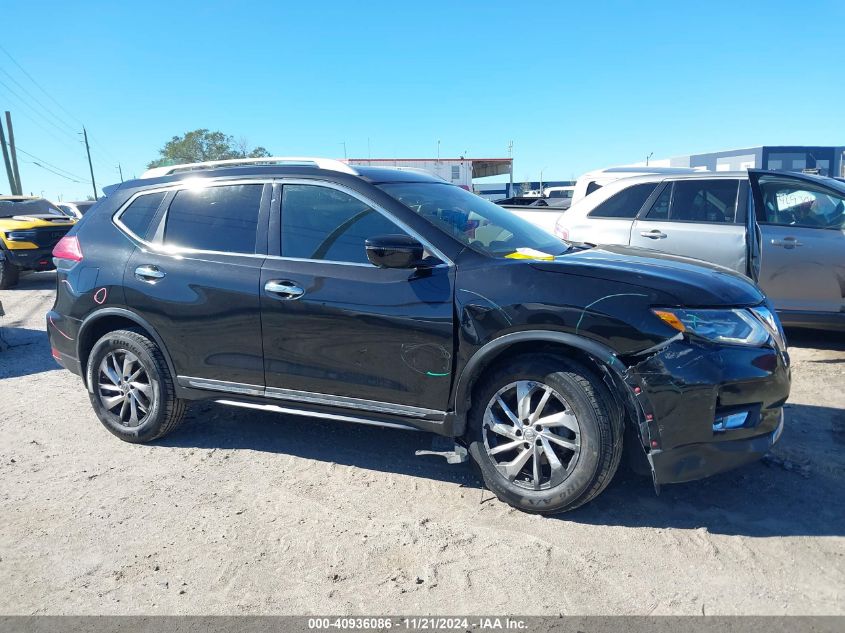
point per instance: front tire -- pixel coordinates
(9, 274)
(131, 388)
(544, 434)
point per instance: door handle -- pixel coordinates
(654, 234)
(149, 273)
(787, 242)
(284, 289)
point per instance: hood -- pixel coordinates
(35, 220)
(47, 217)
(691, 282)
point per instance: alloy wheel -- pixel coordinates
(531, 435)
(124, 387)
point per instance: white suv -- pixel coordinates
(783, 229)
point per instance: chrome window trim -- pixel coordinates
(361, 198)
(309, 397)
(160, 248)
(191, 183)
(310, 414)
(337, 262)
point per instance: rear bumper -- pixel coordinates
(685, 390)
(31, 258)
(63, 332)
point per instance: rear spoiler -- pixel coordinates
(110, 189)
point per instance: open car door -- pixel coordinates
(753, 238)
(801, 220)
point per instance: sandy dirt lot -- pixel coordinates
(242, 512)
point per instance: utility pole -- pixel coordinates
(120, 170)
(13, 186)
(14, 153)
(90, 166)
(510, 179)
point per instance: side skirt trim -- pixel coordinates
(350, 403)
(308, 397)
(310, 414)
(221, 385)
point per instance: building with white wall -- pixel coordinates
(459, 171)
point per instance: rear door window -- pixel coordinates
(710, 201)
(223, 218)
(625, 204)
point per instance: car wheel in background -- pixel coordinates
(9, 274)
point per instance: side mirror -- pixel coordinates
(394, 251)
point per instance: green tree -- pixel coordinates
(201, 145)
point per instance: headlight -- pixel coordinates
(20, 236)
(771, 319)
(722, 326)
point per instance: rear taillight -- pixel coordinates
(68, 248)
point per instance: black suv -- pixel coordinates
(390, 297)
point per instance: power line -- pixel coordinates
(69, 144)
(48, 132)
(58, 103)
(32, 79)
(27, 111)
(26, 105)
(38, 158)
(31, 162)
(34, 98)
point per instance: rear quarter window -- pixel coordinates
(625, 204)
(140, 213)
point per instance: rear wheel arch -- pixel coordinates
(98, 323)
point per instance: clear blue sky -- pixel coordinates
(576, 86)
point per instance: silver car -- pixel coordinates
(783, 229)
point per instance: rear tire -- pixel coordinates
(131, 388)
(568, 425)
(9, 275)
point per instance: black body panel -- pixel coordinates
(205, 309)
(360, 332)
(406, 346)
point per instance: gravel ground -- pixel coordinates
(241, 512)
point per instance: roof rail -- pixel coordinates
(321, 163)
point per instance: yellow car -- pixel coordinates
(29, 229)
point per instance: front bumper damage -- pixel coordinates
(705, 408)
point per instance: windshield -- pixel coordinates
(9, 208)
(474, 221)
